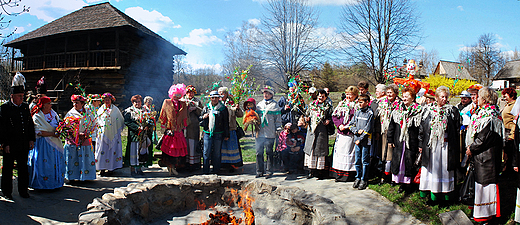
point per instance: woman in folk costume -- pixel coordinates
(138, 140)
(440, 154)
(149, 110)
(317, 140)
(193, 128)
(402, 136)
(46, 161)
(343, 167)
(92, 106)
(79, 155)
(386, 105)
(173, 119)
(485, 140)
(231, 152)
(109, 149)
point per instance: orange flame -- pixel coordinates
(244, 201)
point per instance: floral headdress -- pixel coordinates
(77, 98)
(94, 97)
(177, 89)
(108, 95)
(191, 88)
(476, 87)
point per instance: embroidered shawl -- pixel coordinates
(484, 116)
(407, 117)
(438, 124)
(110, 121)
(317, 113)
(385, 108)
(344, 109)
(41, 124)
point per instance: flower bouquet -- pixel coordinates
(69, 129)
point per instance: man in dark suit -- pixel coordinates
(17, 137)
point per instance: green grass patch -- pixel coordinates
(415, 205)
(248, 149)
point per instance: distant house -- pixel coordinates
(452, 70)
(510, 72)
(100, 48)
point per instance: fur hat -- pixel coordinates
(18, 85)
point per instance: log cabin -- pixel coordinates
(96, 49)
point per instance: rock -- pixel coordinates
(141, 203)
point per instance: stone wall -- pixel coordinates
(142, 203)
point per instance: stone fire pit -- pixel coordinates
(159, 201)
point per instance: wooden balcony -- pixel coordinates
(78, 59)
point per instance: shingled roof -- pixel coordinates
(92, 17)
(510, 70)
(452, 70)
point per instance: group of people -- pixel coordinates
(419, 142)
(32, 136)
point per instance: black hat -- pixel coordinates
(18, 85)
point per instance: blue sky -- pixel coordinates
(199, 26)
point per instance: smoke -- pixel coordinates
(150, 72)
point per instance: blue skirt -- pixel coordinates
(230, 151)
(46, 166)
(81, 162)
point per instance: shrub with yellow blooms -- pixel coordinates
(455, 86)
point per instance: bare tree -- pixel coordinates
(379, 33)
(10, 8)
(429, 60)
(483, 59)
(241, 52)
(510, 56)
(287, 37)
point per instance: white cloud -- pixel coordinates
(49, 10)
(323, 2)
(223, 29)
(154, 20)
(420, 48)
(19, 30)
(198, 37)
(216, 67)
(508, 54)
(466, 48)
(460, 8)
(254, 21)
